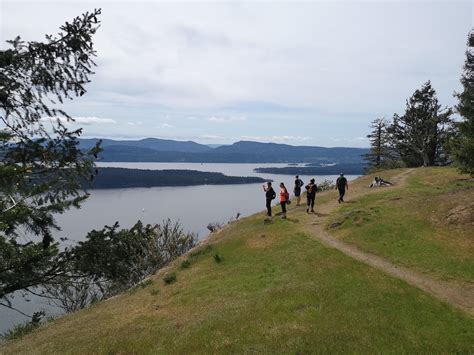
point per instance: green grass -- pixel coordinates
(409, 226)
(277, 290)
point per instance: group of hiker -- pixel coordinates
(311, 190)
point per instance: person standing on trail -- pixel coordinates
(311, 189)
(342, 186)
(297, 189)
(284, 199)
(269, 196)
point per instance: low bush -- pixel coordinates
(114, 260)
(326, 185)
(214, 226)
(217, 258)
(21, 330)
(185, 264)
(169, 278)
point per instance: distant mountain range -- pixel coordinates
(164, 150)
(161, 145)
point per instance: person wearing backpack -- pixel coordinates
(297, 189)
(311, 189)
(284, 199)
(342, 186)
(269, 196)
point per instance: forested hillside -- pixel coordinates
(112, 178)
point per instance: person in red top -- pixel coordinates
(284, 197)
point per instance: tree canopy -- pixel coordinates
(42, 169)
(419, 137)
(418, 133)
(382, 155)
(464, 145)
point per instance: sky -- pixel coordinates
(301, 73)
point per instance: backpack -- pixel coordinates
(311, 188)
(273, 194)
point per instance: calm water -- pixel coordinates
(193, 206)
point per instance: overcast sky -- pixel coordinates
(303, 73)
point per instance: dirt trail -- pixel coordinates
(460, 296)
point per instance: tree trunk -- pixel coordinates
(426, 159)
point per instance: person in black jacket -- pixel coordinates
(269, 196)
(311, 189)
(342, 186)
(297, 189)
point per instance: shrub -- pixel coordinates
(185, 264)
(120, 258)
(236, 218)
(21, 330)
(326, 185)
(169, 278)
(214, 226)
(114, 260)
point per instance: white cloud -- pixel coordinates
(165, 125)
(80, 120)
(296, 68)
(276, 139)
(210, 137)
(295, 54)
(226, 119)
(138, 123)
(350, 140)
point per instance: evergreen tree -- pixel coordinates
(464, 145)
(42, 168)
(382, 154)
(421, 133)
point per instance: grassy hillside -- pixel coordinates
(277, 288)
(429, 225)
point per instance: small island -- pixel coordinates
(348, 169)
(116, 178)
